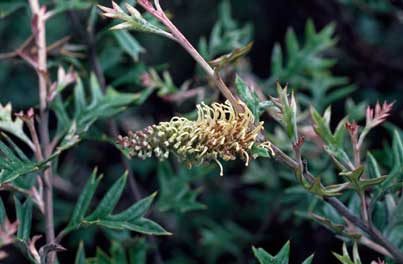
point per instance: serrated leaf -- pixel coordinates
(110, 200)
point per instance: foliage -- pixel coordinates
(308, 167)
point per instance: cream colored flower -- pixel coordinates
(218, 133)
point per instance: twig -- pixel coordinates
(39, 31)
(371, 231)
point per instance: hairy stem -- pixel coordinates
(374, 234)
(39, 31)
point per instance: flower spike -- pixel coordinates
(218, 133)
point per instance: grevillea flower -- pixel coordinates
(218, 133)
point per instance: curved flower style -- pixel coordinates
(218, 133)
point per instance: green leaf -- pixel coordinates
(14, 127)
(142, 225)
(84, 200)
(80, 256)
(13, 163)
(136, 211)
(248, 96)
(358, 184)
(372, 166)
(128, 43)
(231, 57)
(260, 152)
(397, 147)
(175, 190)
(322, 127)
(24, 217)
(288, 110)
(308, 260)
(110, 200)
(265, 258)
(336, 228)
(318, 189)
(345, 258)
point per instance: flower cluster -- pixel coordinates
(218, 133)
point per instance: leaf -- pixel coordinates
(100, 106)
(372, 166)
(176, 193)
(130, 219)
(128, 43)
(345, 258)
(322, 127)
(260, 152)
(265, 258)
(288, 111)
(13, 163)
(133, 20)
(110, 200)
(136, 211)
(84, 200)
(308, 260)
(230, 58)
(336, 228)
(14, 127)
(248, 96)
(318, 189)
(80, 256)
(305, 65)
(142, 225)
(227, 35)
(358, 184)
(24, 217)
